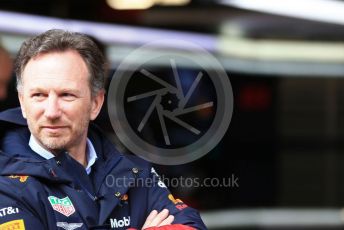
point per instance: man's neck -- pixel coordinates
(89, 158)
(78, 153)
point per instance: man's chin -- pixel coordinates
(54, 147)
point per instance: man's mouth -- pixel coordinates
(54, 127)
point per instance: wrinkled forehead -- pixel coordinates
(60, 69)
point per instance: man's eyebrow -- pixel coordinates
(69, 90)
(37, 89)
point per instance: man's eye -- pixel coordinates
(37, 95)
(68, 95)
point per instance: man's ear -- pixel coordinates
(97, 102)
(20, 96)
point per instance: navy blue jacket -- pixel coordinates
(36, 193)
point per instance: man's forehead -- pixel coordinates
(68, 60)
(55, 82)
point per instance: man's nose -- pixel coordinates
(52, 109)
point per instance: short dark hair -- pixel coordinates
(60, 40)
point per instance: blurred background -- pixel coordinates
(285, 61)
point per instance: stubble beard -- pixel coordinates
(58, 143)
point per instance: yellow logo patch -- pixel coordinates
(13, 225)
(175, 201)
(178, 202)
(21, 178)
(124, 197)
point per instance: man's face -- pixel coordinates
(5, 73)
(56, 100)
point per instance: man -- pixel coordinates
(58, 170)
(5, 72)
